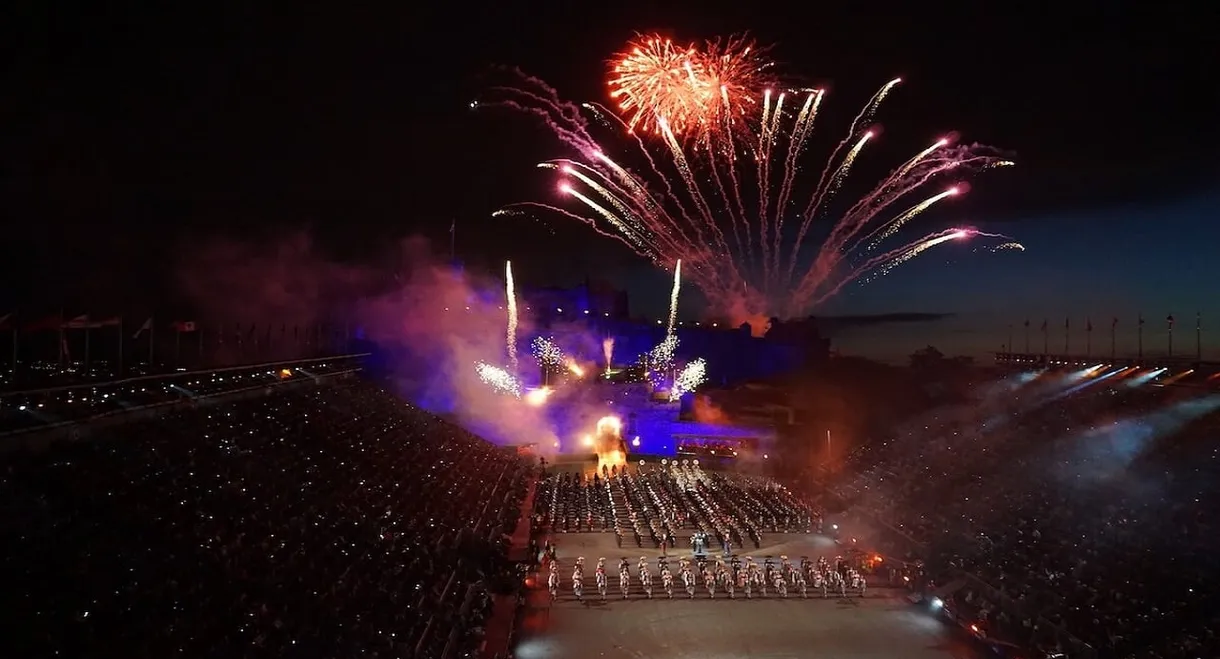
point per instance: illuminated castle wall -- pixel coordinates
(579, 318)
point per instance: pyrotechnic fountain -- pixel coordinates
(673, 299)
(608, 352)
(705, 170)
(511, 294)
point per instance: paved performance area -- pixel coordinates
(882, 625)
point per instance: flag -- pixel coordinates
(1026, 323)
(8, 321)
(453, 226)
(79, 322)
(45, 323)
(183, 326)
(1114, 322)
(1169, 319)
(1141, 320)
(1198, 320)
(1067, 323)
(1088, 325)
(146, 327)
(113, 321)
(1044, 325)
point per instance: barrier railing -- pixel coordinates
(179, 374)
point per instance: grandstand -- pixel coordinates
(298, 510)
(318, 516)
(1064, 510)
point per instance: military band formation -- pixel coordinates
(817, 578)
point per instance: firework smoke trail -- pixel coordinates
(610, 217)
(673, 300)
(684, 170)
(516, 211)
(908, 165)
(667, 196)
(610, 191)
(1008, 245)
(890, 228)
(819, 192)
(511, 294)
(608, 351)
(800, 133)
(881, 265)
(842, 238)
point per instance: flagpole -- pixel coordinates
(1026, 338)
(88, 332)
(1198, 337)
(1046, 341)
(1140, 338)
(177, 347)
(1067, 337)
(1170, 319)
(1113, 329)
(1010, 337)
(16, 344)
(61, 337)
(453, 241)
(152, 342)
(1088, 339)
(121, 330)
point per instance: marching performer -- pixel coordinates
(688, 580)
(578, 586)
(552, 583)
(760, 581)
(600, 575)
(781, 586)
(646, 580)
(667, 580)
(624, 579)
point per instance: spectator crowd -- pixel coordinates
(24, 411)
(311, 520)
(1073, 512)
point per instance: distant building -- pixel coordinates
(580, 318)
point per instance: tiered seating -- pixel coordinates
(32, 410)
(331, 520)
(1087, 511)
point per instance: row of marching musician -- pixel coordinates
(806, 578)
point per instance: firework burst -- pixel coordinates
(711, 173)
(548, 353)
(498, 379)
(689, 91)
(689, 379)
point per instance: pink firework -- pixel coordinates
(733, 204)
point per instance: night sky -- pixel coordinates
(130, 133)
